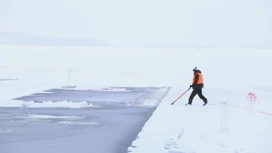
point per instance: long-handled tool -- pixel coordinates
(179, 97)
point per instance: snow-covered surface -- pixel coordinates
(230, 74)
(197, 129)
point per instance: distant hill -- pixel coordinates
(9, 38)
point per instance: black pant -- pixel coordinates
(199, 92)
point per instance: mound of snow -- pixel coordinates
(59, 104)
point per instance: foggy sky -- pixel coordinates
(143, 22)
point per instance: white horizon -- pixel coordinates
(139, 23)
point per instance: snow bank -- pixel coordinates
(39, 116)
(89, 86)
(78, 123)
(59, 104)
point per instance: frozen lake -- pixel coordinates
(110, 126)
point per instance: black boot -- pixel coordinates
(189, 102)
(205, 102)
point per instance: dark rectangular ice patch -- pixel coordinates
(132, 95)
(46, 130)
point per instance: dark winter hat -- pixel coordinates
(195, 69)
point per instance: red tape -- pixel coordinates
(258, 111)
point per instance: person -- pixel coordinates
(197, 85)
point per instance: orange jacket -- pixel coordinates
(199, 80)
